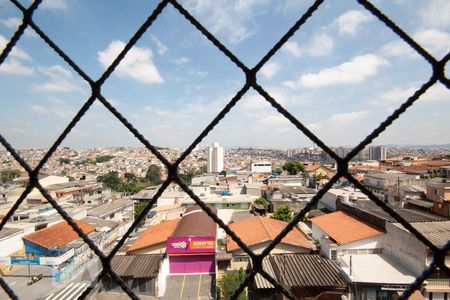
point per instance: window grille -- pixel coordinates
(438, 75)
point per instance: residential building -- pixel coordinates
(263, 231)
(154, 239)
(296, 197)
(144, 274)
(333, 196)
(261, 167)
(438, 191)
(386, 185)
(306, 276)
(340, 233)
(214, 158)
(377, 153)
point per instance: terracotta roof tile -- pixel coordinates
(259, 229)
(343, 228)
(58, 235)
(154, 235)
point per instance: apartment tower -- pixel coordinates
(214, 158)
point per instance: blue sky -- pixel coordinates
(341, 74)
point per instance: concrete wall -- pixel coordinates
(406, 248)
(156, 249)
(258, 249)
(327, 201)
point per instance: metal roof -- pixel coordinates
(436, 232)
(136, 266)
(409, 215)
(109, 208)
(260, 281)
(196, 222)
(307, 270)
(421, 203)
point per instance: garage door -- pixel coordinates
(192, 264)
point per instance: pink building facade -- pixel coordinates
(190, 255)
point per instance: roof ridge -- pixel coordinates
(265, 228)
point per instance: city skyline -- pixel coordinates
(330, 75)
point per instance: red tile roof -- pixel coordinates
(58, 235)
(344, 228)
(313, 167)
(154, 235)
(256, 230)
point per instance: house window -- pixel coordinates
(241, 258)
(333, 254)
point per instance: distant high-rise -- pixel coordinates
(214, 158)
(377, 152)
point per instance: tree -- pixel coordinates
(278, 170)
(223, 173)
(153, 175)
(103, 158)
(283, 213)
(130, 177)
(138, 208)
(262, 201)
(293, 167)
(230, 282)
(64, 160)
(111, 180)
(9, 175)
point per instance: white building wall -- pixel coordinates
(162, 276)
(376, 242)
(261, 167)
(11, 244)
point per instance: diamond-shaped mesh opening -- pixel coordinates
(438, 74)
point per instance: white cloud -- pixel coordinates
(292, 48)
(14, 63)
(357, 70)
(11, 22)
(38, 109)
(321, 45)
(398, 49)
(16, 52)
(58, 5)
(137, 64)
(231, 20)
(314, 126)
(180, 61)
(351, 21)
(14, 66)
(158, 111)
(16, 130)
(270, 69)
(59, 80)
(436, 41)
(436, 14)
(397, 95)
(349, 117)
(162, 49)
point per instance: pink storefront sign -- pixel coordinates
(191, 245)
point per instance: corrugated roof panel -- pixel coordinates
(137, 266)
(307, 270)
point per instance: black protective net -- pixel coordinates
(438, 75)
